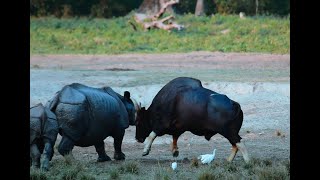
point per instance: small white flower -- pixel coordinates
(174, 165)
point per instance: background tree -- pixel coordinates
(153, 6)
(95, 8)
(199, 8)
(115, 8)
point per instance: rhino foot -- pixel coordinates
(45, 165)
(44, 168)
(104, 158)
(35, 166)
(119, 156)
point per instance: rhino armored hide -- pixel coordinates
(43, 135)
(79, 104)
(43, 123)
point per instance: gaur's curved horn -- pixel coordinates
(136, 105)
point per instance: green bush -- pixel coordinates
(73, 8)
(279, 7)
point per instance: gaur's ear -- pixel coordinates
(127, 95)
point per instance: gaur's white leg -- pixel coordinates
(233, 153)
(148, 143)
(244, 151)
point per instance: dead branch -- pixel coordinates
(133, 26)
(160, 24)
(166, 18)
(164, 6)
(149, 22)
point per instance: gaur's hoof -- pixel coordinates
(103, 159)
(119, 156)
(175, 153)
(145, 153)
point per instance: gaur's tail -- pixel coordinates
(239, 113)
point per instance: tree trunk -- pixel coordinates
(199, 8)
(257, 6)
(153, 6)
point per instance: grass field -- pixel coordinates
(116, 36)
(189, 169)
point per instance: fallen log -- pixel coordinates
(151, 21)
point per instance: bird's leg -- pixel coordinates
(148, 142)
(244, 151)
(233, 153)
(174, 150)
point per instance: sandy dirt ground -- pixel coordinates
(259, 82)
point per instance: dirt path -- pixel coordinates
(259, 82)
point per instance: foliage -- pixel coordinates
(73, 8)
(115, 8)
(189, 6)
(113, 36)
(279, 7)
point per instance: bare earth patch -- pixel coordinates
(259, 82)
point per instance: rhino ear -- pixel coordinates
(127, 94)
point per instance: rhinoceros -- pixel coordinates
(43, 135)
(87, 115)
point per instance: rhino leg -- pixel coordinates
(118, 137)
(66, 145)
(102, 155)
(48, 153)
(35, 155)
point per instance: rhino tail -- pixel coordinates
(52, 103)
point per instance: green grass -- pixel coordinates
(116, 36)
(129, 169)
